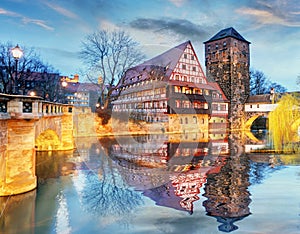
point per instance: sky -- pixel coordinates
(57, 28)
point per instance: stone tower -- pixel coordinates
(227, 61)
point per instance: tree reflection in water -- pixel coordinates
(105, 192)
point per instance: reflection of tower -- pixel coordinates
(227, 59)
(227, 195)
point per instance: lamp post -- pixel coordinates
(17, 53)
(64, 84)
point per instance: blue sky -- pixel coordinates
(56, 28)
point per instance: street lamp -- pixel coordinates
(17, 53)
(64, 84)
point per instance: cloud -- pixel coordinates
(107, 25)
(26, 20)
(37, 22)
(8, 13)
(178, 3)
(61, 10)
(284, 13)
(176, 27)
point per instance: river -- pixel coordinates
(190, 183)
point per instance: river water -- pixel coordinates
(159, 184)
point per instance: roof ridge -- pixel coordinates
(227, 32)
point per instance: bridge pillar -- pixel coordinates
(67, 129)
(17, 162)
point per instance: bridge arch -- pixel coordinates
(252, 119)
(47, 140)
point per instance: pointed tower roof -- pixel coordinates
(227, 32)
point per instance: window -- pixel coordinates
(186, 120)
(192, 57)
(177, 103)
(224, 43)
(217, 46)
(176, 77)
(183, 66)
(177, 89)
(186, 104)
(194, 119)
(185, 56)
(194, 69)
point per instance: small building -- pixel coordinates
(80, 94)
(171, 88)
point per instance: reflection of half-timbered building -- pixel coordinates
(171, 88)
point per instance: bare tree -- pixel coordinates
(109, 55)
(32, 71)
(260, 84)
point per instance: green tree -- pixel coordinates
(108, 55)
(284, 123)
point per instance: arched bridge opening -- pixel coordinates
(256, 122)
(256, 127)
(47, 141)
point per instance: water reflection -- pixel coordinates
(227, 193)
(169, 169)
(116, 184)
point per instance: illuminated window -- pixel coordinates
(194, 119)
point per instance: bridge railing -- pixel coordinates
(28, 107)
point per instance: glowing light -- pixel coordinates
(17, 53)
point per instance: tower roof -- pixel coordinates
(227, 32)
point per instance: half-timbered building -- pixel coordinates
(171, 88)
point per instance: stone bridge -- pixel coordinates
(29, 124)
(257, 106)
